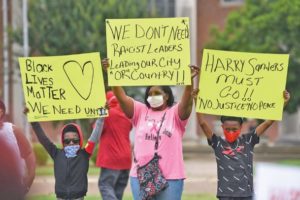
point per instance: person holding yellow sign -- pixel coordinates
(159, 128)
(234, 154)
(71, 163)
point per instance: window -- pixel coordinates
(231, 2)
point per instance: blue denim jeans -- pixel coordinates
(112, 183)
(173, 192)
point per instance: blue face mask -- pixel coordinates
(71, 151)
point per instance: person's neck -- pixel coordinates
(161, 108)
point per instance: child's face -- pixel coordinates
(232, 130)
(231, 126)
(71, 138)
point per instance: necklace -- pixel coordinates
(237, 144)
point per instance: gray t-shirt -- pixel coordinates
(235, 165)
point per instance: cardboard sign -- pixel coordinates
(148, 51)
(63, 87)
(242, 84)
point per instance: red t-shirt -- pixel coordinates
(114, 146)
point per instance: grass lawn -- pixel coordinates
(127, 197)
(295, 162)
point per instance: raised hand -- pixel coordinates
(194, 71)
(105, 63)
(286, 97)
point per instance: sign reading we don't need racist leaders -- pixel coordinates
(152, 51)
(242, 84)
(63, 87)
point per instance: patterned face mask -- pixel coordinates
(71, 151)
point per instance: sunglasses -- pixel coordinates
(68, 141)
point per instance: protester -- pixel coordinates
(234, 154)
(71, 163)
(159, 117)
(17, 168)
(114, 154)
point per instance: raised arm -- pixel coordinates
(43, 139)
(125, 101)
(95, 136)
(186, 103)
(266, 124)
(201, 121)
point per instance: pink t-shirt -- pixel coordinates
(146, 123)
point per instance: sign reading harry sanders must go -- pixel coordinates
(63, 87)
(152, 51)
(242, 84)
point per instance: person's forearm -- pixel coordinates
(43, 139)
(126, 102)
(204, 126)
(186, 103)
(263, 127)
(97, 130)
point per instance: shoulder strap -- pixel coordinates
(157, 133)
(156, 140)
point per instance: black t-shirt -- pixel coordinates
(235, 165)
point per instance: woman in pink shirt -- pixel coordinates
(147, 119)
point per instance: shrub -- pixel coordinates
(41, 154)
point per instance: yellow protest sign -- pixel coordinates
(242, 84)
(152, 51)
(63, 87)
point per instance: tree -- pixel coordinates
(266, 26)
(60, 27)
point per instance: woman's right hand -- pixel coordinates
(195, 93)
(26, 110)
(105, 64)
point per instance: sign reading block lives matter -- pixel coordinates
(63, 87)
(242, 84)
(148, 51)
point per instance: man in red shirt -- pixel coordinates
(114, 154)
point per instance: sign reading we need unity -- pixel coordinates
(242, 84)
(63, 87)
(152, 51)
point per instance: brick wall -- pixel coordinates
(214, 13)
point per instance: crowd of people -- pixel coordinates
(159, 123)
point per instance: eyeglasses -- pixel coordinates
(74, 140)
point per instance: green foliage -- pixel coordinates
(66, 27)
(266, 26)
(59, 27)
(41, 154)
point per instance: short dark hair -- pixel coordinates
(166, 90)
(230, 118)
(70, 128)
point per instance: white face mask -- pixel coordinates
(155, 101)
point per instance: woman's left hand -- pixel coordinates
(194, 71)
